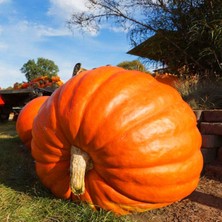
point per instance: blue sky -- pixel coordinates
(38, 28)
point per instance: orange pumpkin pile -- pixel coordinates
(40, 82)
(117, 139)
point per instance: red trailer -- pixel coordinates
(12, 101)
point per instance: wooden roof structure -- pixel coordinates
(155, 47)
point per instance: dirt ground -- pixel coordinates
(203, 205)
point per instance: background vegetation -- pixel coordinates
(42, 67)
(202, 94)
(188, 32)
(185, 37)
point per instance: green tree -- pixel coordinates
(43, 67)
(133, 65)
(184, 32)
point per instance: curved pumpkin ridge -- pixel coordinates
(174, 189)
(152, 188)
(70, 118)
(26, 117)
(114, 201)
(180, 195)
(117, 129)
(55, 172)
(71, 108)
(153, 152)
(53, 147)
(120, 101)
(126, 96)
(147, 136)
(120, 167)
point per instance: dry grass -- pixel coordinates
(202, 94)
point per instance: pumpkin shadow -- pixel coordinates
(206, 199)
(17, 169)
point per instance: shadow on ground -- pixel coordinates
(17, 169)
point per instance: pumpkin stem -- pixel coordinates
(80, 163)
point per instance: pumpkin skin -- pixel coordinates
(139, 133)
(25, 119)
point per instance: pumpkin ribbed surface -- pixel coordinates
(140, 135)
(25, 119)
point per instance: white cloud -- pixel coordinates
(4, 1)
(20, 42)
(64, 8)
(44, 31)
(23, 38)
(38, 30)
(9, 74)
(3, 46)
(114, 28)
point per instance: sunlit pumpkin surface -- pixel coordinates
(139, 134)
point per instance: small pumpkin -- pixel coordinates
(25, 119)
(169, 79)
(117, 139)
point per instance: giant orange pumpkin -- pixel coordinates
(25, 119)
(117, 139)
